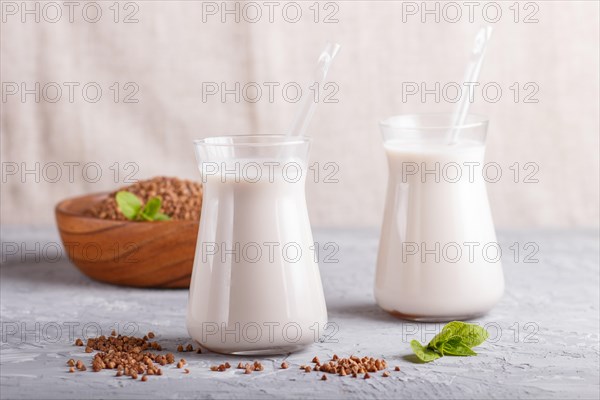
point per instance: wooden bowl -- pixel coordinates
(157, 254)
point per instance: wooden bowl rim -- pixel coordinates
(61, 209)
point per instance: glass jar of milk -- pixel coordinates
(255, 285)
(438, 254)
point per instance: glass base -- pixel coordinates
(433, 318)
(258, 352)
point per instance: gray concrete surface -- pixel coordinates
(544, 333)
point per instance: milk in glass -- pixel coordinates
(255, 287)
(438, 255)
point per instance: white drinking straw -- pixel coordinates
(471, 74)
(307, 105)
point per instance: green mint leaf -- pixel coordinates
(144, 217)
(471, 335)
(161, 217)
(457, 349)
(440, 343)
(129, 204)
(424, 354)
(455, 339)
(151, 208)
(441, 346)
(438, 340)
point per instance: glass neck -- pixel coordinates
(253, 159)
(433, 129)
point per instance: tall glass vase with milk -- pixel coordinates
(256, 287)
(438, 258)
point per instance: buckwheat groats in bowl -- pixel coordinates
(153, 248)
(181, 199)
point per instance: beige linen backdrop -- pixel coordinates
(95, 94)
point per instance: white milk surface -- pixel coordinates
(414, 277)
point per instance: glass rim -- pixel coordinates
(272, 140)
(480, 120)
